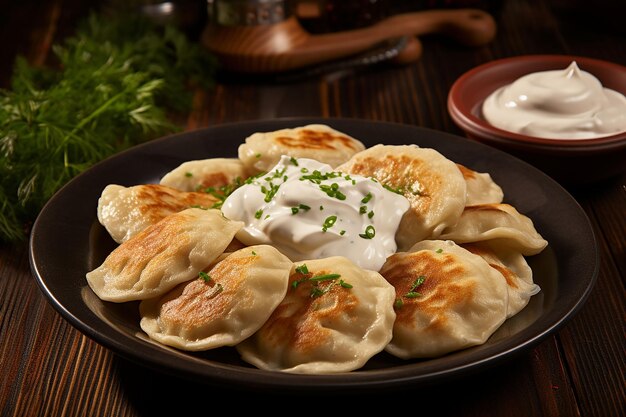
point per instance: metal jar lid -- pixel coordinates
(246, 12)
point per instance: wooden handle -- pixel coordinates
(286, 45)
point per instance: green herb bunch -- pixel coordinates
(116, 83)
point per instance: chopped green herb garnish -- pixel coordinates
(294, 161)
(302, 269)
(329, 222)
(398, 190)
(370, 232)
(324, 277)
(343, 232)
(257, 155)
(253, 253)
(398, 303)
(367, 198)
(412, 293)
(439, 250)
(223, 191)
(295, 210)
(204, 276)
(362, 209)
(188, 174)
(258, 213)
(316, 290)
(370, 214)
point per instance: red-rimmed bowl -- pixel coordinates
(569, 161)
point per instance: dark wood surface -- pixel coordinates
(51, 369)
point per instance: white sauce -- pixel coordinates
(560, 104)
(293, 217)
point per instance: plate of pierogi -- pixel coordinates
(317, 253)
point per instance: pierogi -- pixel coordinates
(262, 150)
(169, 252)
(447, 299)
(224, 305)
(334, 318)
(126, 211)
(501, 224)
(431, 182)
(205, 174)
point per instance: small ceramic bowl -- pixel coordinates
(569, 161)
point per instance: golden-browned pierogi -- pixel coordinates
(481, 189)
(515, 270)
(126, 211)
(204, 174)
(334, 318)
(432, 183)
(447, 299)
(500, 223)
(169, 252)
(224, 305)
(263, 150)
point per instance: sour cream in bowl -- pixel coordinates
(564, 114)
(568, 104)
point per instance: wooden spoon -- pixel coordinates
(286, 45)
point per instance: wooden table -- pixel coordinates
(51, 369)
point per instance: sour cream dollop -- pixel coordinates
(308, 211)
(559, 104)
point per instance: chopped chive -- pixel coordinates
(367, 198)
(370, 232)
(204, 276)
(302, 269)
(188, 174)
(294, 161)
(370, 214)
(329, 222)
(412, 294)
(324, 277)
(258, 214)
(344, 284)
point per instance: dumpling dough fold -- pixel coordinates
(501, 224)
(126, 211)
(447, 299)
(514, 269)
(334, 318)
(198, 175)
(223, 307)
(262, 150)
(163, 255)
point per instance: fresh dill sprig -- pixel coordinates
(116, 83)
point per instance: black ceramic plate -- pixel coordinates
(67, 241)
